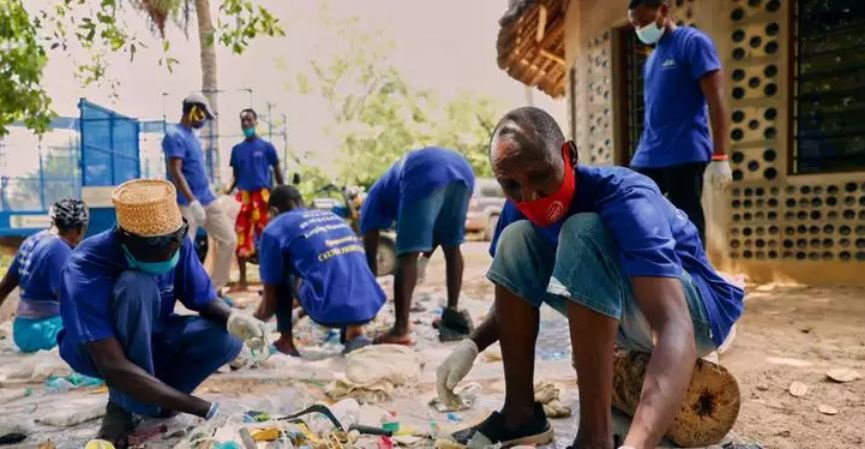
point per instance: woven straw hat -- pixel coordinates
(147, 207)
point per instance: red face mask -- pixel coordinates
(550, 209)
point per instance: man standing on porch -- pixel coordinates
(682, 76)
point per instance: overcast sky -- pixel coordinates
(447, 46)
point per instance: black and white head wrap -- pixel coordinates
(69, 213)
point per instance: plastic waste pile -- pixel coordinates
(373, 373)
(316, 427)
(60, 384)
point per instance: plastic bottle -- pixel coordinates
(58, 385)
(347, 411)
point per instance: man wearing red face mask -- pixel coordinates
(603, 247)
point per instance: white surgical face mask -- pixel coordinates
(650, 34)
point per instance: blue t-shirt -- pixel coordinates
(677, 118)
(654, 238)
(252, 160)
(37, 265)
(412, 178)
(321, 249)
(88, 283)
(180, 142)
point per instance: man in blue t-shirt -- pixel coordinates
(427, 193)
(602, 246)
(36, 271)
(315, 257)
(186, 169)
(251, 161)
(682, 75)
(117, 302)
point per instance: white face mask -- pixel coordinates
(650, 34)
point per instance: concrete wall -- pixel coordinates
(769, 224)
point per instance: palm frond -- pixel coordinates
(159, 11)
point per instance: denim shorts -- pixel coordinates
(438, 219)
(584, 269)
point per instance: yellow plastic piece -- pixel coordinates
(99, 444)
(266, 434)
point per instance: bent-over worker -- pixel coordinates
(605, 248)
(427, 193)
(315, 257)
(36, 270)
(117, 302)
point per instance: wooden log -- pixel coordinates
(708, 412)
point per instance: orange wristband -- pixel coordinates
(719, 157)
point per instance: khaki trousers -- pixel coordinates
(220, 231)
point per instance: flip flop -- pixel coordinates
(455, 325)
(356, 343)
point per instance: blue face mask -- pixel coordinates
(248, 132)
(155, 268)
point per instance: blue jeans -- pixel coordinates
(183, 353)
(584, 269)
(32, 335)
(437, 219)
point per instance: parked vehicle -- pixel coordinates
(485, 207)
(346, 202)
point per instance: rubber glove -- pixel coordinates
(198, 212)
(251, 331)
(212, 412)
(719, 173)
(454, 368)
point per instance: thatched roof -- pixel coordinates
(531, 44)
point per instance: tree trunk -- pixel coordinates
(209, 85)
(708, 412)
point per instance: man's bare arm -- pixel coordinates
(277, 174)
(662, 301)
(175, 166)
(9, 282)
(268, 305)
(216, 310)
(233, 182)
(712, 86)
(128, 377)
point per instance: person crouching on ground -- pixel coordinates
(36, 270)
(117, 302)
(315, 257)
(605, 248)
(427, 193)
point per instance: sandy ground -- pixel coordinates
(789, 333)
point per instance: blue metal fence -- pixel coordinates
(98, 148)
(109, 146)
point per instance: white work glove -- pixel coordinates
(212, 412)
(198, 212)
(719, 174)
(454, 368)
(252, 332)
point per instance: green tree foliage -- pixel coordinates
(467, 126)
(378, 116)
(22, 60)
(27, 35)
